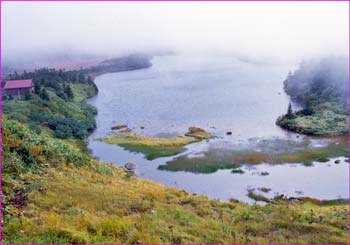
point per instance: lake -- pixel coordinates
(218, 94)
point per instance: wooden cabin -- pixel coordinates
(18, 87)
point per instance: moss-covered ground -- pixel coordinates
(152, 147)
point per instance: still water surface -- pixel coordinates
(218, 94)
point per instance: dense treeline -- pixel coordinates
(321, 88)
(127, 63)
(317, 82)
(57, 80)
(58, 102)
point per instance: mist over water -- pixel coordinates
(266, 32)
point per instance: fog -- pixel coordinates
(259, 31)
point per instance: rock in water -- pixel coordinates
(264, 173)
(229, 133)
(198, 133)
(130, 166)
(117, 127)
(337, 161)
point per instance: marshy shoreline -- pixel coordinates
(75, 198)
(218, 159)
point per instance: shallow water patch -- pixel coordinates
(272, 151)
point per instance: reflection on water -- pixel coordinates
(219, 94)
(222, 155)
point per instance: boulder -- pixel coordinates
(229, 133)
(264, 173)
(130, 166)
(195, 129)
(337, 161)
(198, 133)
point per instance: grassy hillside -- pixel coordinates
(55, 193)
(58, 103)
(321, 88)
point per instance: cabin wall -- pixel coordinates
(19, 91)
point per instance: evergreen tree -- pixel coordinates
(16, 76)
(27, 96)
(37, 88)
(81, 77)
(68, 91)
(290, 111)
(60, 93)
(308, 109)
(89, 80)
(44, 95)
(73, 78)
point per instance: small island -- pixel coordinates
(155, 147)
(320, 88)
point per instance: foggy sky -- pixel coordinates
(280, 31)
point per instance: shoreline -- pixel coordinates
(125, 160)
(77, 199)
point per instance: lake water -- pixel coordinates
(218, 94)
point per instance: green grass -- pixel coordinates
(198, 165)
(152, 147)
(154, 152)
(257, 197)
(18, 110)
(55, 193)
(82, 92)
(327, 120)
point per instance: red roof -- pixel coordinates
(18, 84)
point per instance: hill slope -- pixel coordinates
(55, 193)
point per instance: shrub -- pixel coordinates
(27, 96)
(35, 128)
(63, 131)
